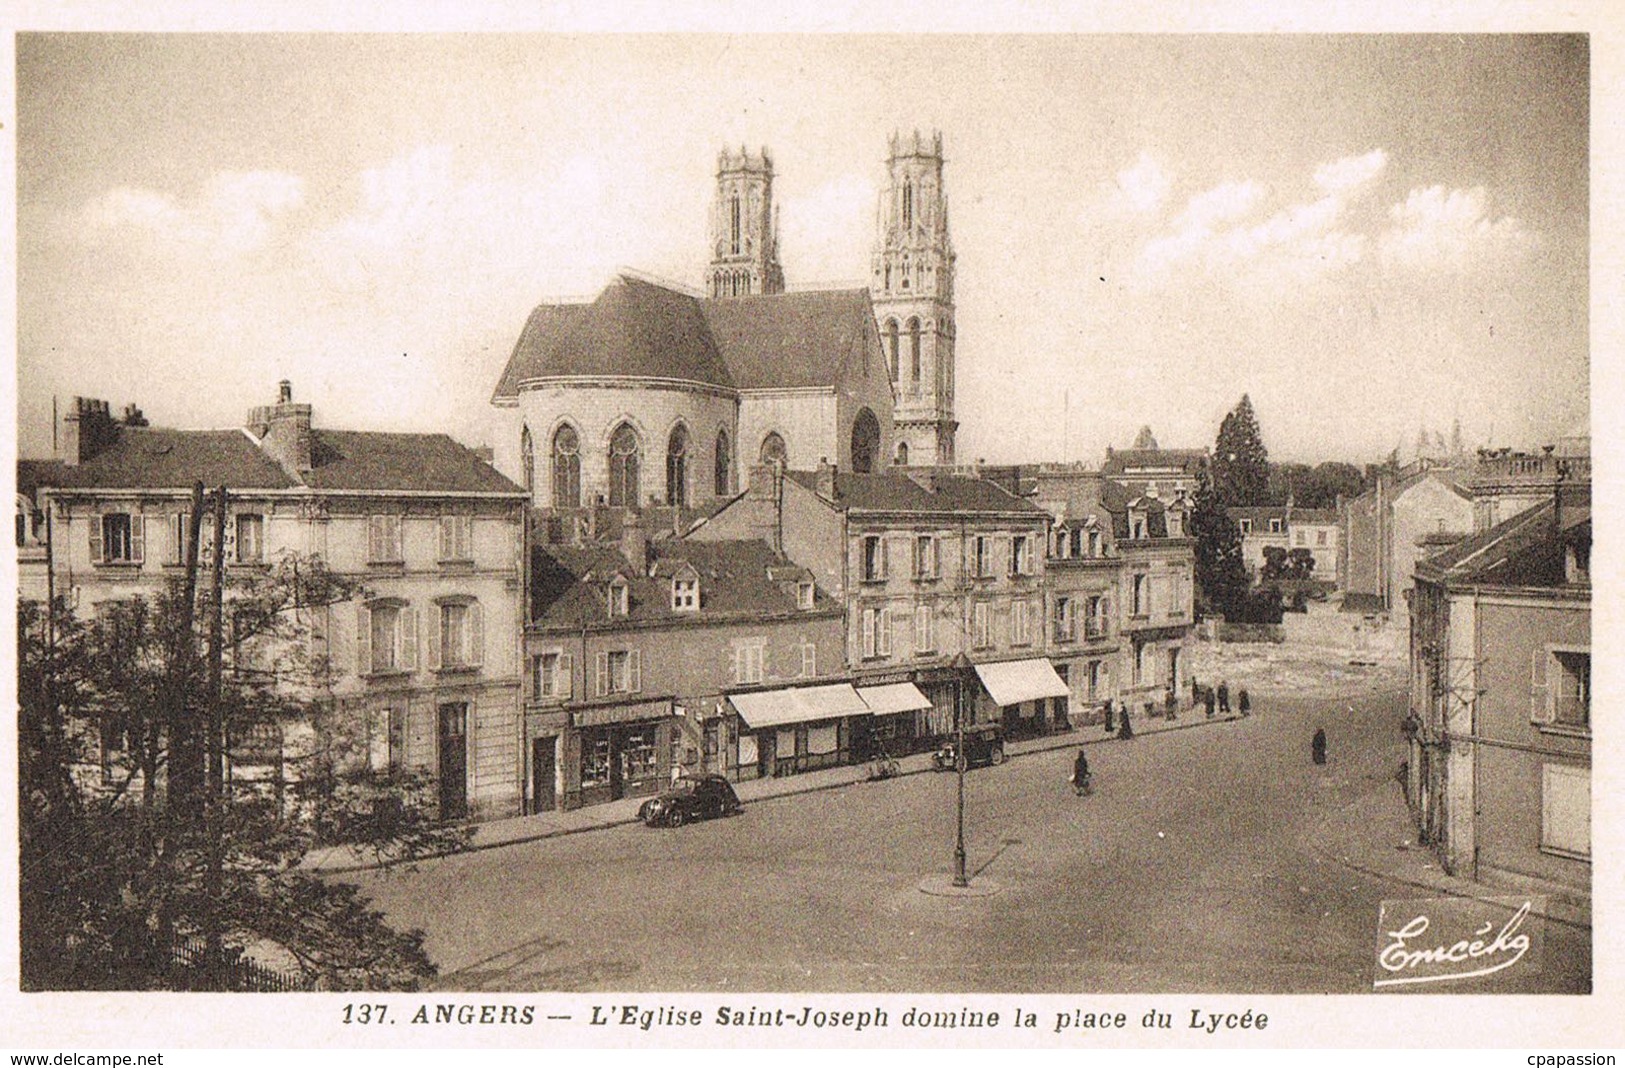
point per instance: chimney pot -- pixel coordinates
(284, 392)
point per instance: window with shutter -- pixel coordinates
(1540, 707)
(634, 671)
(567, 676)
(436, 643)
(408, 636)
(363, 640)
(603, 674)
(1565, 816)
(868, 632)
(476, 635)
(96, 539)
(883, 628)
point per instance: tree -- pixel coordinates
(1221, 576)
(1314, 487)
(117, 873)
(1240, 461)
(1145, 439)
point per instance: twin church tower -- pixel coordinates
(911, 282)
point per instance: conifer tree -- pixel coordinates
(1241, 465)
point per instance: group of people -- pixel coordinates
(1219, 699)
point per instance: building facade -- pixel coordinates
(1500, 731)
(424, 663)
(1383, 532)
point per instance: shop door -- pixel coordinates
(454, 761)
(543, 775)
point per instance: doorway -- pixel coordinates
(454, 760)
(543, 775)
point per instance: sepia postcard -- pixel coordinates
(715, 527)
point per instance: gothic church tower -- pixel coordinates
(744, 228)
(913, 292)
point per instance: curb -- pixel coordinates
(1061, 741)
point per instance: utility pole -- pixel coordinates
(185, 753)
(960, 664)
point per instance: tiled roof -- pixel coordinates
(891, 492)
(640, 329)
(1321, 516)
(157, 458)
(32, 474)
(737, 579)
(790, 340)
(1264, 511)
(365, 460)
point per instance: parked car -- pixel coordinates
(691, 798)
(983, 745)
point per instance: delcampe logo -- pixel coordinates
(1457, 940)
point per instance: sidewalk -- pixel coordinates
(1374, 835)
(517, 829)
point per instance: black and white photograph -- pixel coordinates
(532, 534)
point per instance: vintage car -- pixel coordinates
(984, 745)
(691, 798)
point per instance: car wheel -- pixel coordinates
(997, 755)
(676, 819)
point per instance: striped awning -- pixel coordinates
(1014, 681)
(896, 697)
(803, 704)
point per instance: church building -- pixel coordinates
(653, 394)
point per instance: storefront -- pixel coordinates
(616, 751)
(1025, 692)
(783, 732)
(899, 716)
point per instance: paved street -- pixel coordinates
(1200, 864)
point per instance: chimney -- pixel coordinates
(284, 431)
(87, 429)
(634, 542)
(764, 506)
(826, 478)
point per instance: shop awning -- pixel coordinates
(896, 697)
(624, 713)
(1014, 681)
(805, 704)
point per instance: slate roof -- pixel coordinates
(790, 340)
(32, 474)
(636, 328)
(1525, 550)
(159, 458)
(737, 579)
(891, 492)
(367, 460)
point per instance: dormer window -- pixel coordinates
(1137, 526)
(804, 594)
(620, 596)
(1246, 526)
(1275, 526)
(685, 593)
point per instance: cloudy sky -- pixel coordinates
(1368, 234)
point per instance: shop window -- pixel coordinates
(639, 757)
(595, 763)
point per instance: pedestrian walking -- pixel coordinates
(1171, 703)
(1224, 698)
(1110, 727)
(1317, 747)
(1207, 699)
(1124, 728)
(1243, 704)
(1080, 772)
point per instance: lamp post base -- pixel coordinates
(943, 886)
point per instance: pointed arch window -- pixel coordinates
(902, 453)
(527, 458)
(908, 205)
(724, 465)
(865, 442)
(914, 349)
(774, 451)
(891, 348)
(677, 467)
(733, 224)
(623, 467)
(566, 468)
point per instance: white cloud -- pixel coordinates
(1296, 243)
(234, 212)
(1351, 172)
(1142, 188)
(822, 226)
(1439, 229)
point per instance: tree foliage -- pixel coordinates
(1240, 461)
(1286, 565)
(1221, 574)
(116, 872)
(1314, 487)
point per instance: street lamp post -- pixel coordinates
(960, 664)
